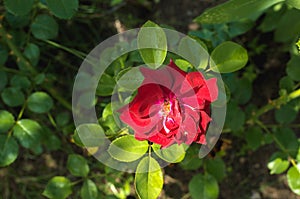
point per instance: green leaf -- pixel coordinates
(89, 190)
(32, 53)
(77, 165)
(228, 57)
(3, 56)
(254, 137)
(286, 114)
(235, 10)
(64, 9)
(44, 27)
(216, 167)
(59, 187)
(148, 179)
(3, 79)
(21, 82)
(17, 21)
(288, 140)
(127, 148)
(106, 85)
(235, 117)
(62, 119)
(293, 177)
(194, 52)
(129, 79)
(89, 135)
(293, 69)
(18, 7)
(172, 154)
(294, 3)
(191, 160)
(278, 166)
(152, 44)
(13, 96)
(28, 132)
(204, 187)
(40, 102)
(7, 121)
(9, 150)
(286, 83)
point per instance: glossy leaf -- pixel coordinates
(13, 96)
(40, 102)
(77, 165)
(172, 154)
(293, 177)
(152, 44)
(194, 52)
(148, 179)
(294, 3)
(64, 9)
(18, 7)
(204, 187)
(44, 27)
(58, 187)
(9, 150)
(89, 135)
(89, 190)
(228, 57)
(28, 132)
(7, 121)
(127, 148)
(278, 166)
(235, 10)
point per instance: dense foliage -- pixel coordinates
(42, 45)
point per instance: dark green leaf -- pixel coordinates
(293, 69)
(278, 166)
(235, 117)
(152, 44)
(171, 154)
(191, 160)
(12, 96)
(293, 177)
(40, 102)
(32, 53)
(59, 187)
(228, 57)
(127, 148)
(235, 10)
(7, 121)
(44, 27)
(3, 79)
(64, 9)
(216, 167)
(18, 7)
(286, 114)
(288, 140)
(106, 85)
(9, 150)
(28, 132)
(148, 179)
(62, 119)
(3, 56)
(204, 187)
(254, 137)
(89, 190)
(17, 21)
(21, 82)
(77, 165)
(286, 83)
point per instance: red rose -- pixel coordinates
(171, 106)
